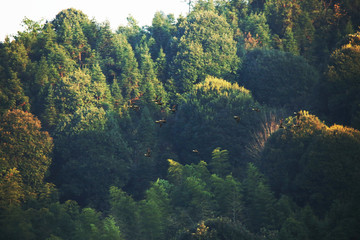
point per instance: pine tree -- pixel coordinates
(125, 211)
(259, 201)
(202, 53)
(219, 163)
(50, 116)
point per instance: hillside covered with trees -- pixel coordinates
(238, 121)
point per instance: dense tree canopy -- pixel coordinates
(205, 120)
(205, 46)
(343, 82)
(25, 154)
(186, 129)
(279, 79)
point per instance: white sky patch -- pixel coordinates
(12, 12)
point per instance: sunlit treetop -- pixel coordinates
(220, 86)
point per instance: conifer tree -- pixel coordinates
(50, 116)
(342, 82)
(124, 210)
(25, 148)
(202, 53)
(219, 163)
(259, 201)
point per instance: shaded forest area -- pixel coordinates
(238, 121)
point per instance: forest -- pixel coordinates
(238, 121)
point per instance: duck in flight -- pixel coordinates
(298, 114)
(148, 153)
(281, 124)
(173, 109)
(256, 109)
(135, 107)
(160, 122)
(157, 100)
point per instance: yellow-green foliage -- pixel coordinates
(343, 82)
(306, 125)
(25, 152)
(345, 65)
(313, 162)
(205, 119)
(175, 170)
(220, 86)
(11, 187)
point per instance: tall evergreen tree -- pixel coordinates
(25, 148)
(201, 53)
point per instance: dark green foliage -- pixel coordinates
(90, 158)
(124, 210)
(342, 82)
(120, 106)
(156, 211)
(162, 30)
(57, 221)
(25, 153)
(118, 61)
(219, 163)
(304, 161)
(132, 31)
(205, 121)
(342, 220)
(279, 79)
(217, 228)
(228, 197)
(293, 229)
(191, 196)
(259, 201)
(70, 25)
(255, 26)
(201, 53)
(13, 64)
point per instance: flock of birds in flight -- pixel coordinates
(158, 101)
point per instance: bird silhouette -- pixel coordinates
(23, 104)
(173, 109)
(135, 107)
(298, 114)
(148, 153)
(160, 122)
(237, 118)
(255, 109)
(157, 100)
(281, 124)
(195, 151)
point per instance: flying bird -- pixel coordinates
(173, 109)
(255, 109)
(23, 104)
(135, 107)
(160, 122)
(148, 153)
(298, 114)
(157, 100)
(281, 124)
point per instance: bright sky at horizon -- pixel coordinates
(12, 12)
